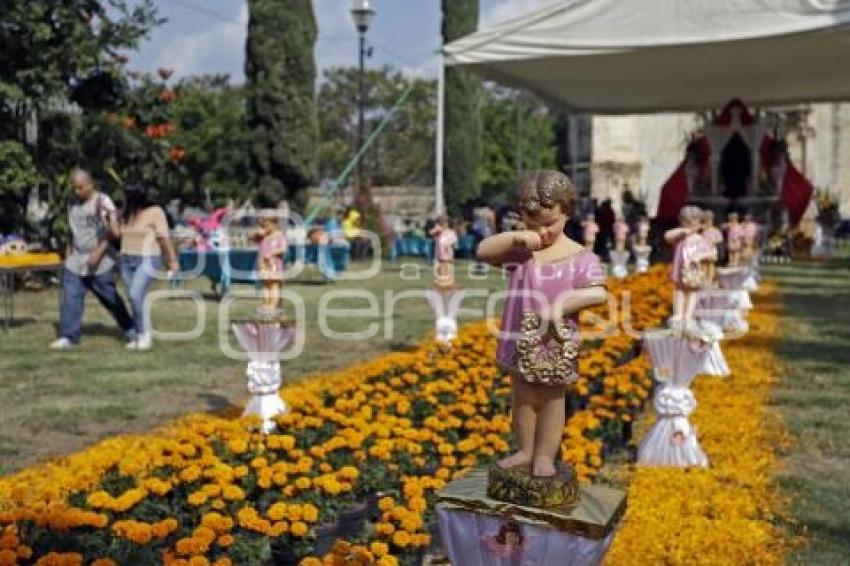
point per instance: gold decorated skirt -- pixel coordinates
(548, 358)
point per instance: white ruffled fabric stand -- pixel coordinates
(642, 258)
(675, 360)
(263, 341)
(720, 307)
(472, 539)
(732, 279)
(619, 261)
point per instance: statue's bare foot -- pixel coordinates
(543, 467)
(516, 459)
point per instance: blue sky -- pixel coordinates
(208, 36)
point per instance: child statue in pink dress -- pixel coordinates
(688, 274)
(733, 239)
(714, 238)
(749, 234)
(445, 239)
(272, 245)
(590, 229)
(621, 234)
(552, 279)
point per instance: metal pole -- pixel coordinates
(361, 123)
(439, 201)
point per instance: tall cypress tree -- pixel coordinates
(462, 147)
(280, 77)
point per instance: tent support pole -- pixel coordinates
(439, 202)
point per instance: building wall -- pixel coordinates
(827, 151)
(637, 152)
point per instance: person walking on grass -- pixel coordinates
(89, 261)
(144, 240)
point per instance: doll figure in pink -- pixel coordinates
(714, 238)
(733, 239)
(445, 239)
(621, 233)
(643, 231)
(271, 245)
(749, 234)
(590, 229)
(552, 279)
(688, 274)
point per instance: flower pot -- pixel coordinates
(326, 534)
(352, 520)
(283, 555)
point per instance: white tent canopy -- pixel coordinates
(636, 56)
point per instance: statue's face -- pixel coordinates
(547, 222)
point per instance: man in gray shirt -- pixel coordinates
(90, 261)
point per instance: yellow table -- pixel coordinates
(10, 265)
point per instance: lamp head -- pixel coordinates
(362, 13)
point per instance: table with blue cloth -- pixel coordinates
(226, 267)
(418, 246)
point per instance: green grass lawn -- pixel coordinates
(52, 403)
(814, 400)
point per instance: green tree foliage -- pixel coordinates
(210, 118)
(462, 149)
(280, 75)
(17, 174)
(404, 152)
(53, 54)
(519, 134)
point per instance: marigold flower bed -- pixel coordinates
(725, 514)
(391, 431)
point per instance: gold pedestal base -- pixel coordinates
(517, 485)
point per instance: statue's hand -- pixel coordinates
(529, 240)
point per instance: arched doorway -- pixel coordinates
(736, 167)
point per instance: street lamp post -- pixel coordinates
(362, 13)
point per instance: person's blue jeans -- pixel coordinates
(138, 272)
(74, 289)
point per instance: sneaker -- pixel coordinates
(61, 344)
(145, 342)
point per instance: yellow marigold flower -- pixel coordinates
(311, 561)
(233, 493)
(223, 561)
(303, 483)
(237, 446)
(199, 561)
(310, 513)
(387, 560)
(386, 503)
(299, 529)
(225, 541)
(401, 539)
(379, 548)
(385, 528)
(349, 473)
(276, 512)
(197, 498)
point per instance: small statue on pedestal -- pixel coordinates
(749, 237)
(619, 255)
(445, 239)
(733, 239)
(688, 274)
(642, 248)
(271, 247)
(552, 279)
(714, 238)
